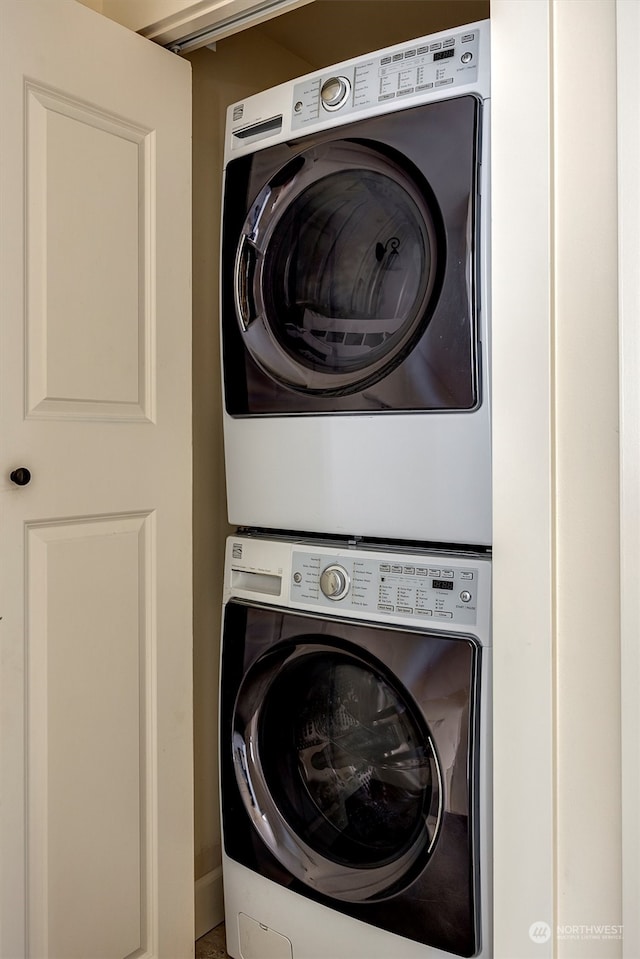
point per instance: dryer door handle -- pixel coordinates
(244, 270)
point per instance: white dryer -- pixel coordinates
(354, 297)
(354, 751)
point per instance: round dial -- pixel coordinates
(334, 582)
(334, 92)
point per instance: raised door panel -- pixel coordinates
(90, 688)
(90, 206)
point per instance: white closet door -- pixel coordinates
(96, 832)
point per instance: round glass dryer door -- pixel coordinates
(337, 268)
(337, 770)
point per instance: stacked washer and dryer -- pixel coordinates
(356, 638)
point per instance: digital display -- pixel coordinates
(442, 583)
(443, 55)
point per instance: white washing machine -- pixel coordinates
(354, 752)
(355, 299)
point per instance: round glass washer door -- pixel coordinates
(337, 770)
(337, 268)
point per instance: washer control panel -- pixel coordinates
(446, 592)
(401, 72)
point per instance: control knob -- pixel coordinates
(334, 92)
(334, 582)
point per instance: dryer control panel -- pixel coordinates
(398, 73)
(435, 593)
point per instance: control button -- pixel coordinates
(334, 582)
(434, 572)
(410, 570)
(384, 608)
(385, 568)
(404, 609)
(297, 577)
(421, 571)
(466, 57)
(447, 574)
(297, 107)
(442, 614)
(465, 596)
(334, 92)
(466, 574)
(396, 569)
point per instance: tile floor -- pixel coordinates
(213, 945)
